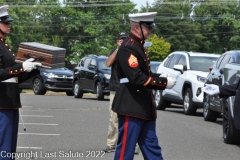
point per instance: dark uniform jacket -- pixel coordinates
(134, 98)
(9, 92)
(233, 90)
(114, 81)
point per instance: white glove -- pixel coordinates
(164, 75)
(171, 82)
(29, 65)
(211, 89)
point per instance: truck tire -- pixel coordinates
(99, 92)
(38, 87)
(76, 90)
(188, 107)
(230, 134)
(160, 103)
(208, 114)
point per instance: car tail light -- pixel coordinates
(210, 68)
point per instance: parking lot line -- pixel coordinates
(46, 116)
(26, 107)
(31, 110)
(28, 147)
(40, 134)
(40, 124)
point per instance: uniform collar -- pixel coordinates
(136, 38)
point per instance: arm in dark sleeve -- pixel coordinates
(9, 72)
(227, 90)
(155, 74)
(156, 83)
(27, 75)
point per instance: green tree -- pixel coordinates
(93, 29)
(208, 26)
(159, 48)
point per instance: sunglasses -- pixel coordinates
(6, 23)
(149, 25)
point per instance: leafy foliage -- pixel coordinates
(90, 27)
(159, 49)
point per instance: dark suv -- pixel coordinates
(211, 104)
(224, 71)
(92, 75)
(57, 80)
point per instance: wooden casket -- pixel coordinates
(50, 56)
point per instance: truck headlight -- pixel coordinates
(50, 75)
(201, 79)
(107, 76)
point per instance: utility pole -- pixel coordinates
(146, 6)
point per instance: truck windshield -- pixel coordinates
(102, 64)
(201, 63)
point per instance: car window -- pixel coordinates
(225, 61)
(174, 60)
(93, 63)
(86, 62)
(102, 64)
(167, 61)
(182, 60)
(235, 58)
(81, 62)
(201, 63)
(219, 61)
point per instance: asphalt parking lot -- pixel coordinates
(62, 127)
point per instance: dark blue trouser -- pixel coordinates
(134, 130)
(8, 132)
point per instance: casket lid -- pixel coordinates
(42, 46)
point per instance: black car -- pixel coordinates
(57, 80)
(224, 71)
(92, 75)
(211, 104)
(231, 73)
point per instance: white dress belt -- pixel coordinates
(11, 80)
(124, 80)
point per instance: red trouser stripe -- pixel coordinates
(124, 142)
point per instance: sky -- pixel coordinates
(142, 3)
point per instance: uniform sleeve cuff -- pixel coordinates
(16, 69)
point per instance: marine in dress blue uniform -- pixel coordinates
(11, 74)
(133, 101)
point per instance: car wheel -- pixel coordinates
(160, 103)
(99, 92)
(76, 90)
(208, 114)
(188, 107)
(230, 134)
(38, 87)
(69, 93)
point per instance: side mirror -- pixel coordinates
(221, 70)
(179, 67)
